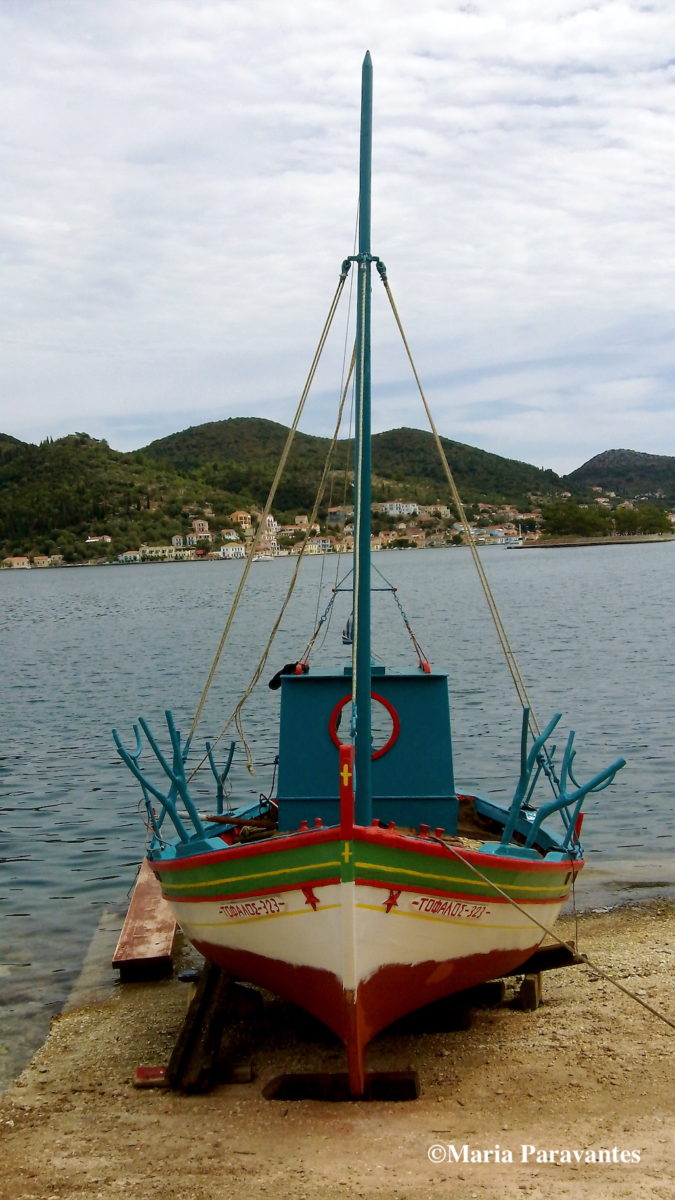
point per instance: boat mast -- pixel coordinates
(361, 654)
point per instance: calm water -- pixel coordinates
(86, 649)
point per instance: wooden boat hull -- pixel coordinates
(360, 932)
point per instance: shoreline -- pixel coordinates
(574, 543)
(549, 544)
(588, 1071)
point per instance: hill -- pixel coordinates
(409, 456)
(234, 452)
(55, 495)
(629, 473)
(7, 444)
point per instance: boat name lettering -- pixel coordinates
(449, 908)
(263, 906)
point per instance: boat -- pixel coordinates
(369, 884)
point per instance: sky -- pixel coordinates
(179, 189)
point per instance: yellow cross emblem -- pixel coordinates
(346, 774)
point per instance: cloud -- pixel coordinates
(180, 190)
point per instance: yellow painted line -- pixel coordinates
(506, 887)
(297, 912)
(169, 887)
(471, 923)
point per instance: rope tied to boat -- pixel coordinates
(235, 715)
(507, 650)
(585, 960)
(422, 658)
(269, 502)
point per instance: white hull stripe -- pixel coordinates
(358, 930)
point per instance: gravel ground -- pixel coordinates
(590, 1071)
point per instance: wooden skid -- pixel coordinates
(549, 958)
(145, 943)
(194, 1063)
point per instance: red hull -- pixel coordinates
(389, 993)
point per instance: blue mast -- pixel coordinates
(361, 656)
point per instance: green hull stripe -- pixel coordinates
(384, 864)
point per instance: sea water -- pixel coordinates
(85, 649)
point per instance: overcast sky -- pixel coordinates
(179, 188)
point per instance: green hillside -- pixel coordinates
(630, 474)
(409, 456)
(234, 453)
(55, 495)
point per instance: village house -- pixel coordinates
(201, 530)
(496, 534)
(436, 510)
(336, 516)
(397, 508)
(42, 560)
(388, 536)
(320, 545)
(129, 556)
(177, 540)
(416, 535)
(104, 537)
(233, 550)
(158, 553)
(459, 528)
(16, 562)
(241, 518)
(266, 541)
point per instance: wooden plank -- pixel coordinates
(549, 958)
(145, 943)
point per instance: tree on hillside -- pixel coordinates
(570, 520)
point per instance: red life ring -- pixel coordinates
(395, 730)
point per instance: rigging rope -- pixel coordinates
(237, 710)
(509, 655)
(423, 659)
(344, 383)
(270, 499)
